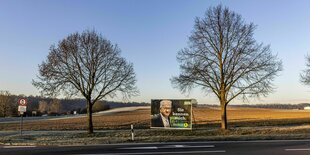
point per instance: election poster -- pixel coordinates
(171, 114)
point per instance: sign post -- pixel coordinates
(22, 108)
(21, 124)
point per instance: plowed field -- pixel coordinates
(202, 117)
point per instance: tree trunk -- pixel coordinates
(89, 117)
(4, 111)
(223, 114)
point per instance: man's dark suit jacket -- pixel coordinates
(157, 121)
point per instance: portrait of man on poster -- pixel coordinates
(162, 118)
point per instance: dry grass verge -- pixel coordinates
(151, 135)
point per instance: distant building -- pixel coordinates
(306, 108)
(34, 113)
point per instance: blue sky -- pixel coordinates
(150, 33)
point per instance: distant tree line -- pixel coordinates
(52, 106)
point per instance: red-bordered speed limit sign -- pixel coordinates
(22, 102)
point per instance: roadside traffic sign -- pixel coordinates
(22, 108)
(22, 102)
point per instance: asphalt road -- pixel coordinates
(277, 147)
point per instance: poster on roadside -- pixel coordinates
(171, 114)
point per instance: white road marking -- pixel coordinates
(139, 148)
(185, 152)
(303, 149)
(256, 141)
(187, 146)
(7, 147)
(166, 147)
(178, 146)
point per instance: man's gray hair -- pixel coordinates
(162, 102)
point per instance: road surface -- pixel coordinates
(276, 147)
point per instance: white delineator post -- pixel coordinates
(132, 133)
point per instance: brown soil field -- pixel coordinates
(202, 117)
(248, 114)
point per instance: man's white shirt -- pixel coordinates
(165, 121)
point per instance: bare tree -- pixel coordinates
(6, 104)
(86, 64)
(223, 58)
(55, 106)
(305, 75)
(43, 107)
